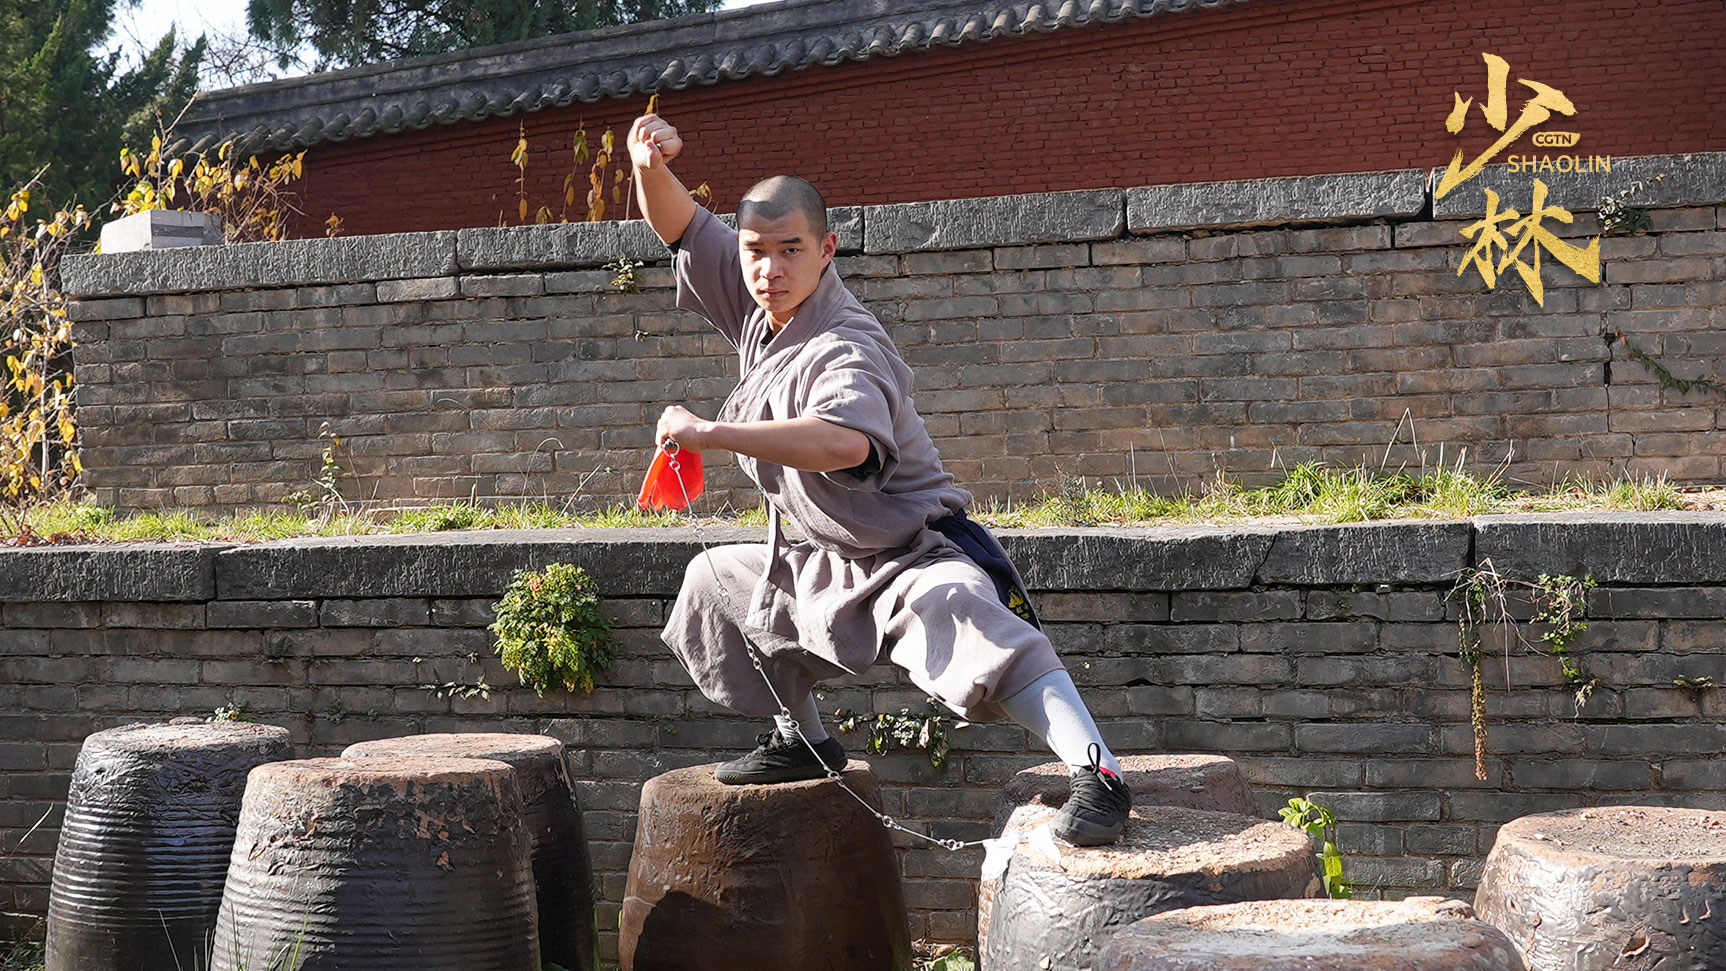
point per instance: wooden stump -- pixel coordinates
(1211, 782)
(562, 870)
(1417, 934)
(1057, 914)
(1631, 888)
(758, 878)
(150, 822)
(383, 864)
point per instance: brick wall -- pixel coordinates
(1154, 336)
(1323, 659)
(1243, 92)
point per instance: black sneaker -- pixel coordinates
(1096, 811)
(780, 759)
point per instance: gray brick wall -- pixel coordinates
(1227, 330)
(1323, 659)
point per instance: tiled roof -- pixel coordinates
(614, 62)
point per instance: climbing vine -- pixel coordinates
(1559, 601)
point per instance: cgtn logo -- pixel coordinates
(1556, 139)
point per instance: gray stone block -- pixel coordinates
(1656, 548)
(161, 229)
(624, 562)
(557, 245)
(1368, 553)
(1045, 217)
(425, 288)
(847, 222)
(1263, 202)
(131, 573)
(292, 262)
(1159, 558)
(1691, 180)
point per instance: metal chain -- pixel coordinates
(671, 449)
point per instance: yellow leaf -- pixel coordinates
(607, 141)
(543, 216)
(523, 210)
(653, 104)
(580, 145)
(617, 195)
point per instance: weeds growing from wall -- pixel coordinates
(1319, 823)
(926, 731)
(1487, 599)
(550, 630)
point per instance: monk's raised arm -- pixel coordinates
(653, 143)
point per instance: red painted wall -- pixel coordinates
(1263, 89)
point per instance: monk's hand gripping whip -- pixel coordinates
(671, 449)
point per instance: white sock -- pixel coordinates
(1051, 707)
(808, 718)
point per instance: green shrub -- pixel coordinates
(550, 631)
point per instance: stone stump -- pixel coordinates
(382, 864)
(150, 821)
(1416, 934)
(562, 869)
(1631, 888)
(1211, 782)
(758, 878)
(1055, 914)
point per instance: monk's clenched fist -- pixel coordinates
(652, 142)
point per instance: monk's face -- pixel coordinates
(783, 260)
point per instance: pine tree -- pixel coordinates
(66, 108)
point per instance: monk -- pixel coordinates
(823, 422)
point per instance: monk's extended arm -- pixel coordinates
(809, 443)
(664, 201)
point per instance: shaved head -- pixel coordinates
(778, 196)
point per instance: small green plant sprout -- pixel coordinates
(457, 689)
(1696, 686)
(328, 479)
(1559, 603)
(550, 630)
(237, 711)
(905, 730)
(941, 957)
(1320, 823)
(623, 269)
(1618, 216)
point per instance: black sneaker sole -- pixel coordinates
(1081, 832)
(768, 777)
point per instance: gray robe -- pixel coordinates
(871, 577)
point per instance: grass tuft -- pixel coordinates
(1311, 493)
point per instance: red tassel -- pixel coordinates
(668, 488)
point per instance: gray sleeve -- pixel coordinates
(709, 274)
(856, 397)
